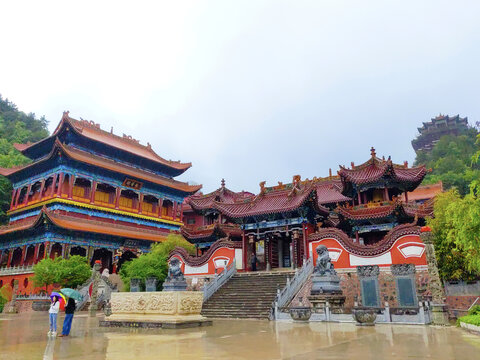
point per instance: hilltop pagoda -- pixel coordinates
(92, 193)
(432, 131)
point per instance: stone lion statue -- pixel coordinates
(324, 265)
(174, 271)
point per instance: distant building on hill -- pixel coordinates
(439, 126)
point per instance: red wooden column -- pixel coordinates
(35, 253)
(244, 251)
(181, 212)
(118, 191)
(10, 254)
(406, 197)
(19, 190)
(60, 184)
(385, 194)
(359, 198)
(29, 188)
(159, 208)
(71, 181)
(93, 189)
(14, 194)
(54, 181)
(305, 241)
(140, 202)
(175, 209)
(42, 186)
(24, 253)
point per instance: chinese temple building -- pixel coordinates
(360, 213)
(432, 131)
(92, 193)
(204, 224)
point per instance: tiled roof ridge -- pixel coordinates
(201, 260)
(80, 124)
(366, 250)
(68, 148)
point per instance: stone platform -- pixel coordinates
(159, 309)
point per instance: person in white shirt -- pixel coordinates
(52, 315)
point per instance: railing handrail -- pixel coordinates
(285, 295)
(217, 282)
(12, 270)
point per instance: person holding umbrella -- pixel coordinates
(52, 315)
(69, 309)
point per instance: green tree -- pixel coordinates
(154, 263)
(15, 127)
(73, 271)
(45, 273)
(451, 161)
(173, 241)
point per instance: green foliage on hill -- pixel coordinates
(451, 161)
(154, 263)
(456, 227)
(15, 127)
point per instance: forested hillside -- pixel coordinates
(451, 161)
(15, 127)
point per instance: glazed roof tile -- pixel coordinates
(269, 202)
(425, 192)
(95, 160)
(86, 225)
(367, 212)
(221, 195)
(221, 230)
(126, 143)
(375, 168)
(330, 193)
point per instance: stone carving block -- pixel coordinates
(368, 270)
(403, 269)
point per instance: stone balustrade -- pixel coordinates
(16, 270)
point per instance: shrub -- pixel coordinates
(470, 319)
(475, 310)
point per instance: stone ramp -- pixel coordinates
(246, 295)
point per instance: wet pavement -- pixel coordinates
(24, 336)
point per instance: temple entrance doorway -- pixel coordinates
(105, 256)
(272, 251)
(126, 256)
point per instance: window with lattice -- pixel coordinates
(101, 196)
(78, 191)
(147, 207)
(125, 202)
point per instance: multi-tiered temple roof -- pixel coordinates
(93, 191)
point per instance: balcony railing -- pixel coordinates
(16, 270)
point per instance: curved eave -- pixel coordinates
(227, 209)
(103, 137)
(107, 164)
(83, 225)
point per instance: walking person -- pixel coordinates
(52, 316)
(253, 260)
(67, 322)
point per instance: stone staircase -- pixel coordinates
(246, 295)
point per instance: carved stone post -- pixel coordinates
(295, 238)
(92, 310)
(439, 308)
(12, 309)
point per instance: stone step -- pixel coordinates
(246, 295)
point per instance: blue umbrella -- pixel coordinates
(74, 294)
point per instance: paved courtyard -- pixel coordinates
(24, 337)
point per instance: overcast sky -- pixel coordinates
(247, 90)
